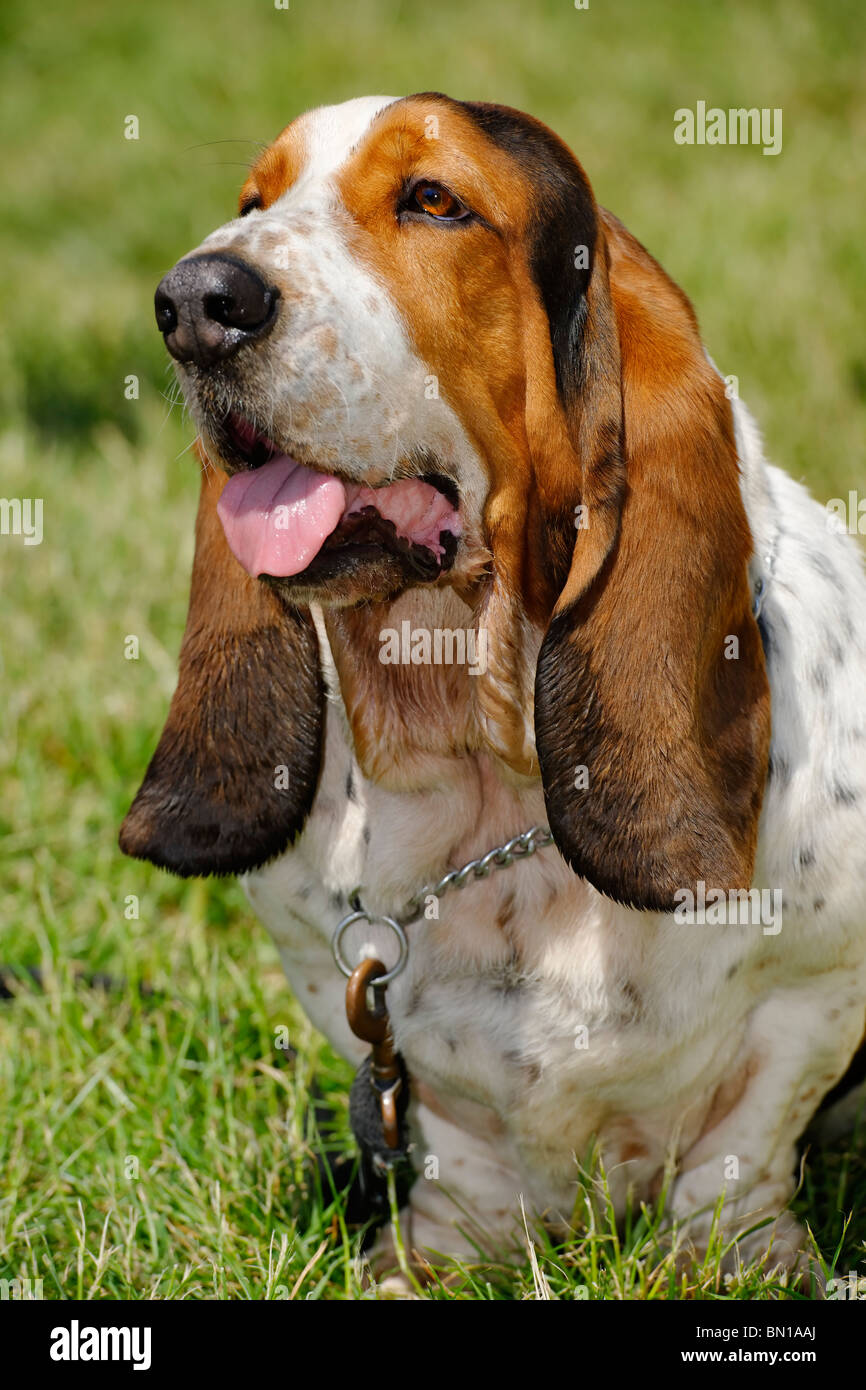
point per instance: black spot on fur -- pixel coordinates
(818, 905)
(633, 995)
(844, 796)
(821, 565)
(767, 640)
(507, 979)
(350, 785)
(414, 1000)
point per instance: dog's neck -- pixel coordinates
(406, 711)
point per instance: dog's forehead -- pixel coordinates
(338, 148)
(313, 147)
(324, 138)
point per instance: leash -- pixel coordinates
(379, 1097)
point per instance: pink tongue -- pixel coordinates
(277, 518)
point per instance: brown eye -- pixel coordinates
(436, 201)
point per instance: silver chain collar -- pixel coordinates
(502, 857)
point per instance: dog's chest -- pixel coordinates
(473, 975)
(526, 993)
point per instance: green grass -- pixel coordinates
(160, 1143)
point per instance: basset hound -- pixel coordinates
(440, 390)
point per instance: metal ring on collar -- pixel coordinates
(372, 919)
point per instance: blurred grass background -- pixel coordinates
(772, 252)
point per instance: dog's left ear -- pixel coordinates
(652, 703)
(235, 771)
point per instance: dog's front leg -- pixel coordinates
(464, 1203)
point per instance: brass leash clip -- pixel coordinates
(373, 1025)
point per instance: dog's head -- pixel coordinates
(424, 356)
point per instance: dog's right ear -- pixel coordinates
(235, 771)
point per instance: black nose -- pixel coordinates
(208, 306)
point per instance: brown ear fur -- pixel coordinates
(633, 683)
(248, 703)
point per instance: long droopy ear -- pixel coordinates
(652, 703)
(235, 770)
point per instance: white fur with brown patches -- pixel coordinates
(487, 1015)
(488, 1009)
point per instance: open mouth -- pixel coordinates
(278, 514)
